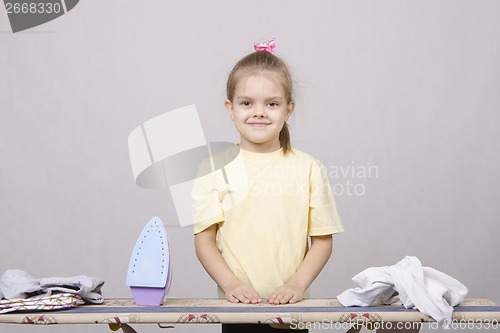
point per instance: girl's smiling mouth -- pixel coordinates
(258, 124)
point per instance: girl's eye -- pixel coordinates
(246, 103)
(273, 104)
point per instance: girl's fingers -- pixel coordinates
(244, 294)
(284, 295)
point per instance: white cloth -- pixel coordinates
(16, 284)
(423, 288)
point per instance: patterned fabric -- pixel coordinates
(121, 312)
(45, 303)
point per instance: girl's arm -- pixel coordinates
(314, 261)
(213, 262)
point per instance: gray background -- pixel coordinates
(410, 89)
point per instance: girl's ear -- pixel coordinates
(229, 108)
(290, 108)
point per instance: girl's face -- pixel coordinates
(259, 110)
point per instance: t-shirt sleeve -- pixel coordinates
(323, 215)
(206, 201)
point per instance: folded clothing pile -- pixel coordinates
(423, 288)
(20, 291)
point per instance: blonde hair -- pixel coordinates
(264, 63)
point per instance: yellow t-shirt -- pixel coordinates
(266, 205)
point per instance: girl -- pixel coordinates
(258, 249)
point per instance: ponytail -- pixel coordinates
(284, 138)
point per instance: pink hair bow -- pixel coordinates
(265, 46)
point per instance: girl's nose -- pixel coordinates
(259, 112)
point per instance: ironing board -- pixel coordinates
(120, 312)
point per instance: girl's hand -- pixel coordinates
(288, 293)
(214, 264)
(315, 260)
(241, 292)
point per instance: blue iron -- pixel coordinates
(149, 270)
